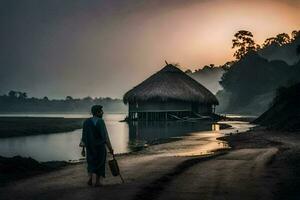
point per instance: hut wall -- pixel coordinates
(204, 108)
(159, 106)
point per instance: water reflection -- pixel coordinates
(215, 127)
(124, 137)
(142, 132)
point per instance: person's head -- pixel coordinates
(97, 110)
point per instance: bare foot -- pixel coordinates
(98, 181)
(90, 182)
(98, 184)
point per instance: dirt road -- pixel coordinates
(238, 174)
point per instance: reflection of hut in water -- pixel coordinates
(169, 94)
(150, 131)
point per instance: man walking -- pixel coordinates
(95, 139)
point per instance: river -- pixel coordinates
(124, 137)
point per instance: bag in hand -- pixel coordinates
(114, 167)
(83, 152)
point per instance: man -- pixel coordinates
(95, 139)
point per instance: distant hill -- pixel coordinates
(249, 85)
(209, 77)
(284, 114)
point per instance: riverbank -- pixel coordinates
(25, 126)
(164, 163)
(16, 168)
(261, 164)
(282, 169)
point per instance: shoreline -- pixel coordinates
(28, 126)
(256, 158)
(40, 168)
(282, 168)
(18, 168)
(12, 126)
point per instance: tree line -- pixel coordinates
(243, 42)
(19, 102)
(250, 82)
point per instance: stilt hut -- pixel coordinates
(169, 94)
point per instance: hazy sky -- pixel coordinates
(93, 48)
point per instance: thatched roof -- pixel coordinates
(170, 83)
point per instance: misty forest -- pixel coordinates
(246, 85)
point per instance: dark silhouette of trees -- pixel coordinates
(227, 65)
(17, 101)
(243, 41)
(12, 93)
(280, 39)
(46, 98)
(188, 71)
(269, 41)
(295, 34)
(284, 112)
(69, 98)
(22, 95)
(282, 47)
(283, 38)
(249, 84)
(16, 94)
(88, 98)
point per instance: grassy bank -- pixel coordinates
(24, 126)
(18, 167)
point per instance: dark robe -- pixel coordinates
(94, 137)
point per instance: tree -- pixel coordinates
(12, 93)
(69, 98)
(88, 98)
(22, 95)
(243, 41)
(188, 71)
(46, 98)
(280, 39)
(295, 35)
(283, 38)
(227, 65)
(269, 41)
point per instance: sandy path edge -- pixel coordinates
(246, 171)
